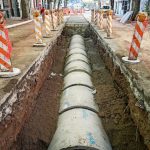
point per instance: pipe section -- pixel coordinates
(79, 129)
(79, 97)
(78, 78)
(76, 57)
(77, 65)
(79, 126)
(76, 51)
(77, 45)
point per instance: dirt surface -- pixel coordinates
(39, 129)
(113, 106)
(23, 54)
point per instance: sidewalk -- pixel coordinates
(23, 54)
(10, 21)
(120, 44)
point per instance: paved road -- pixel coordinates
(77, 19)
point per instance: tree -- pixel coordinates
(24, 9)
(147, 7)
(135, 8)
(112, 4)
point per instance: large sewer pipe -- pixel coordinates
(76, 51)
(79, 126)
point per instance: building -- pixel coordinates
(19, 9)
(122, 6)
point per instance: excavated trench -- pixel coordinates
(112, 101)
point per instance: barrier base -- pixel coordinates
(39, 45)
(54, 30)
(126, 60)
(15, 72)
(46, 36)
(108, 37)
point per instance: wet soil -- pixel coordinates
(39, 129)
(113, 106)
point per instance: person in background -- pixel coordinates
(42, 11)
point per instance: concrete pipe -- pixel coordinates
(76, 57)
(77, 41)
(77, 78)
(79, 129)
(76, 45)
(77, 36)
(77, 66)
(77, 97)
(76, 51)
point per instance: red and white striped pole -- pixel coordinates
(92, 15)
(109, 23)
(38, 30)
(47, 24)
(137, 39)
(101, 19)
(6, 69)
(96, 17)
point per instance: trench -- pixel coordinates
(112, 101)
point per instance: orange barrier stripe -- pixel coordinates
(39, 35)
(133, 51)
(4, 41)
(4, 53)
(139, 30)
(137, 42)
(38, 27)
(8, 66)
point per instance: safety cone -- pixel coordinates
(137, 38)
(109, 24)
(38, 30)
(6, 69)
(101, 19)
(47, 24)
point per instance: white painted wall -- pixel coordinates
(142, 5)
(1, 3)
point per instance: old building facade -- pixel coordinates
(21, 8)
(122, 6)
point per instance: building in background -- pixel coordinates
(122, 6)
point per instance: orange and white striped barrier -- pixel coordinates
(55, 19)
(58, 17)
(140, 27)
(61, 16)
(109, 23)
(96, 17)
(38, 30)
(47, 24)
(101, 19)
(92, 15)
(6, 69)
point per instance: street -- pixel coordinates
(40, 111)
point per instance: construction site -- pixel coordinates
(79, 81)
